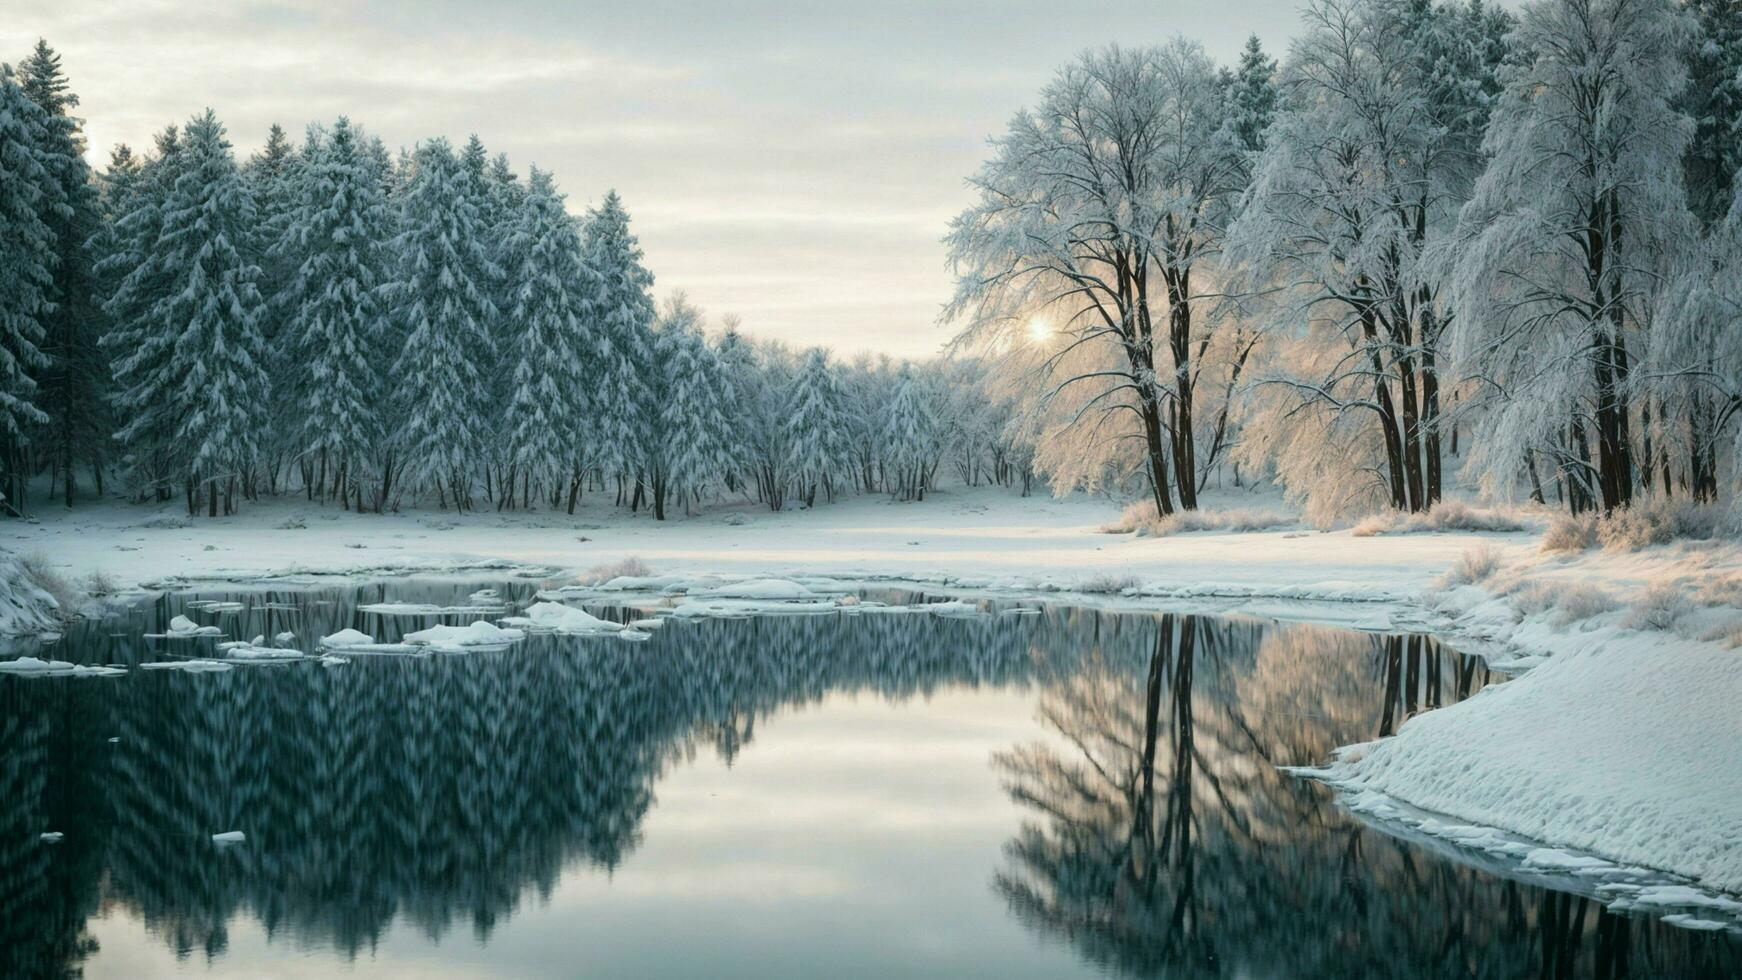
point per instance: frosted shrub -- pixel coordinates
(1657, 520)
(1570, 532)
(1476, 564)
(1108, 583)
(1575, 602)
(1447, 515)
(599, 574)
(37, 568)
(99, 583)
(1659, 607)
(1141, 518)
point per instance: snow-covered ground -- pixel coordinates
(1621, 740)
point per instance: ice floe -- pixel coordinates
(554, 617)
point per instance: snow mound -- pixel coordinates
(558, 618)
(1623, 706)
(25, 610)
(347, 638)
(479, 634)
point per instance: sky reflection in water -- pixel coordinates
(1074, 793)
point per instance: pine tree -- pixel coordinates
(816, 428)
(206, 248)
(1252, 95)
(549, 406)
(1713, 98)
(30, 197)
(134, 284)
(71, 384)
(687, 450)
(444, 307)
(910, 436)
(273, 176)
(622, 314)
(336, 244)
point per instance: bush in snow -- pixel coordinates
(100, 583)
(38, 572)
(1570, 532)
(1660, 607)
(1447, 515)
(1142, 518)
(1476, 564)
(1657, 520)
(1570, 602)
(631, 567)
(1108, 583)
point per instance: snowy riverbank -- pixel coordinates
(1619, 741)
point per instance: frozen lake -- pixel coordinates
(1063, 792)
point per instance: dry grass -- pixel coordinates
(1475, 565)
(1660, 607)
(1568, 532)
(600, 574)
(42, 574)
(1447, 515)
(1657, 520)
(1108, 584)
(1142, 519)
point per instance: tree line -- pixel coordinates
(368, 329)
(1431, 221)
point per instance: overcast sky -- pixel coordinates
(793, 162)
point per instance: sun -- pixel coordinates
(1039, 330)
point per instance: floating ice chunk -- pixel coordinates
(479, 634)
(181, 627)
(1555, 859)
(760, 588)
(229, 837)
(113, 739)
(427, 609)
(215, 605)
(739, 608)
(347, 638)
(646, 624)
(953, 607)
(285, 638)
(488, 597)
(30, 665)
(1682, 896)
(634, 636)
(1687, 921)
(190, 666)
(52, 837)
(330, 661)
(556, 617)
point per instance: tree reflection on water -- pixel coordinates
(1158, 837)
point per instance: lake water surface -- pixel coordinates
(1069, 793)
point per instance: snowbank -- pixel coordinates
(25, 609)
(1624, 746)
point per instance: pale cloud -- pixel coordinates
(794, 162)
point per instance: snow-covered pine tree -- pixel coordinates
(1713, 99)
(555, 353)
(910, 435)
(205, 248)
(273, 176)
(30, 197)
(1251, 95)
(816, 429)
(1568, 232)
(133, 283)
(688, 447)
(336, 242)
(71, 385)
(442, 301)
(622, 314)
